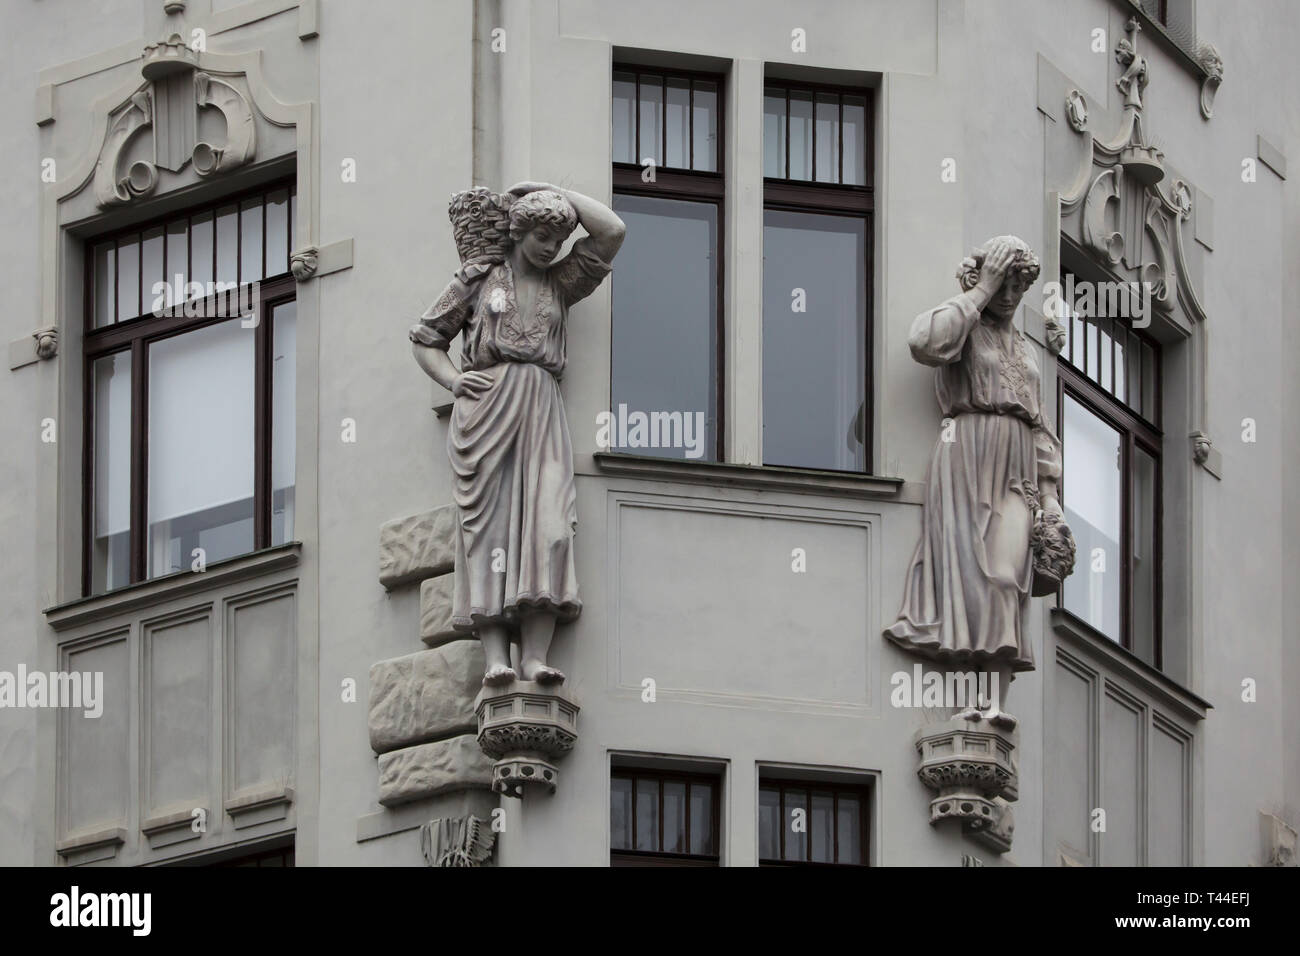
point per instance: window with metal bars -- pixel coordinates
(663, 818)
(189, 353)
(1108, 402)
(811, 823)
(667, 342)
(817, 236)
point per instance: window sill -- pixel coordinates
(149, 593)
(1088, 640)
(767, 477)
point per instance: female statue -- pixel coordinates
(992, 529)
(511, 457)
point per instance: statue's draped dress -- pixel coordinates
(964, 601)
(511, 457)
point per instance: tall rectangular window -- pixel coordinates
(667, 292)
(816, 277)
(1109, 406)
(189, 355)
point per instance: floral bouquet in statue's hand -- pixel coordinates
(480, 223)
(1054, 550)
(1052, 544)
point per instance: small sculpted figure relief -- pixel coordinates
(992, 529)
(508, 440)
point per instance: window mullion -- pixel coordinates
(262, 429)
(139, 460)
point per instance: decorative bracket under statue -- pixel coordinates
(526, 727)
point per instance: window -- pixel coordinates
(189, 356)
(812, 823)
(816, 277)
(667, 290)
(1109, 379)
(663, 818)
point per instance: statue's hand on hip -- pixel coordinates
(471, 384)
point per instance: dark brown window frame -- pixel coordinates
(1135, 433)
(688, 185)
(1145, 344)
(836, 199)
(661, 857)
(135, 335)
(783, 784)
(868, 121)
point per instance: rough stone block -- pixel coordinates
(424, 696)
(435, 610)
(417, 547)
(430, 769)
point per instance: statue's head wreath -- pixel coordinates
(486, 224)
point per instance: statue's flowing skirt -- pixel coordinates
(512, 463)
(967, 588)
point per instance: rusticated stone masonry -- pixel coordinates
(421, 720)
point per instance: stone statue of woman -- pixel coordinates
(992, 529)
(511, 457)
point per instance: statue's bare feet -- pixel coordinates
(1000, 718)
(499, 674)
(537, 671)
(970, 713)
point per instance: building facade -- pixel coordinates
(229, 508)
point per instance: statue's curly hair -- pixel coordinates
(1024, 264)
(543, 207)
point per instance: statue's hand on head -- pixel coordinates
(994, 268)
(524, 188)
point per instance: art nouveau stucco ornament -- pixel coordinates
(508, 439)
(992, 529)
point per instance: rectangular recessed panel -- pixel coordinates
(1069, 801)
(177, 712)
(262, 667)
(1121, 782)
(1167, 845)
(715, 602)
(96, 756)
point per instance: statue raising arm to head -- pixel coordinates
(508, 439)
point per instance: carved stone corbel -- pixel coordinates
(972, 769)
(1055, 333)
(47, 342)
(1076, 111)
(304, 262)
(525, 727)
(1212, 63)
